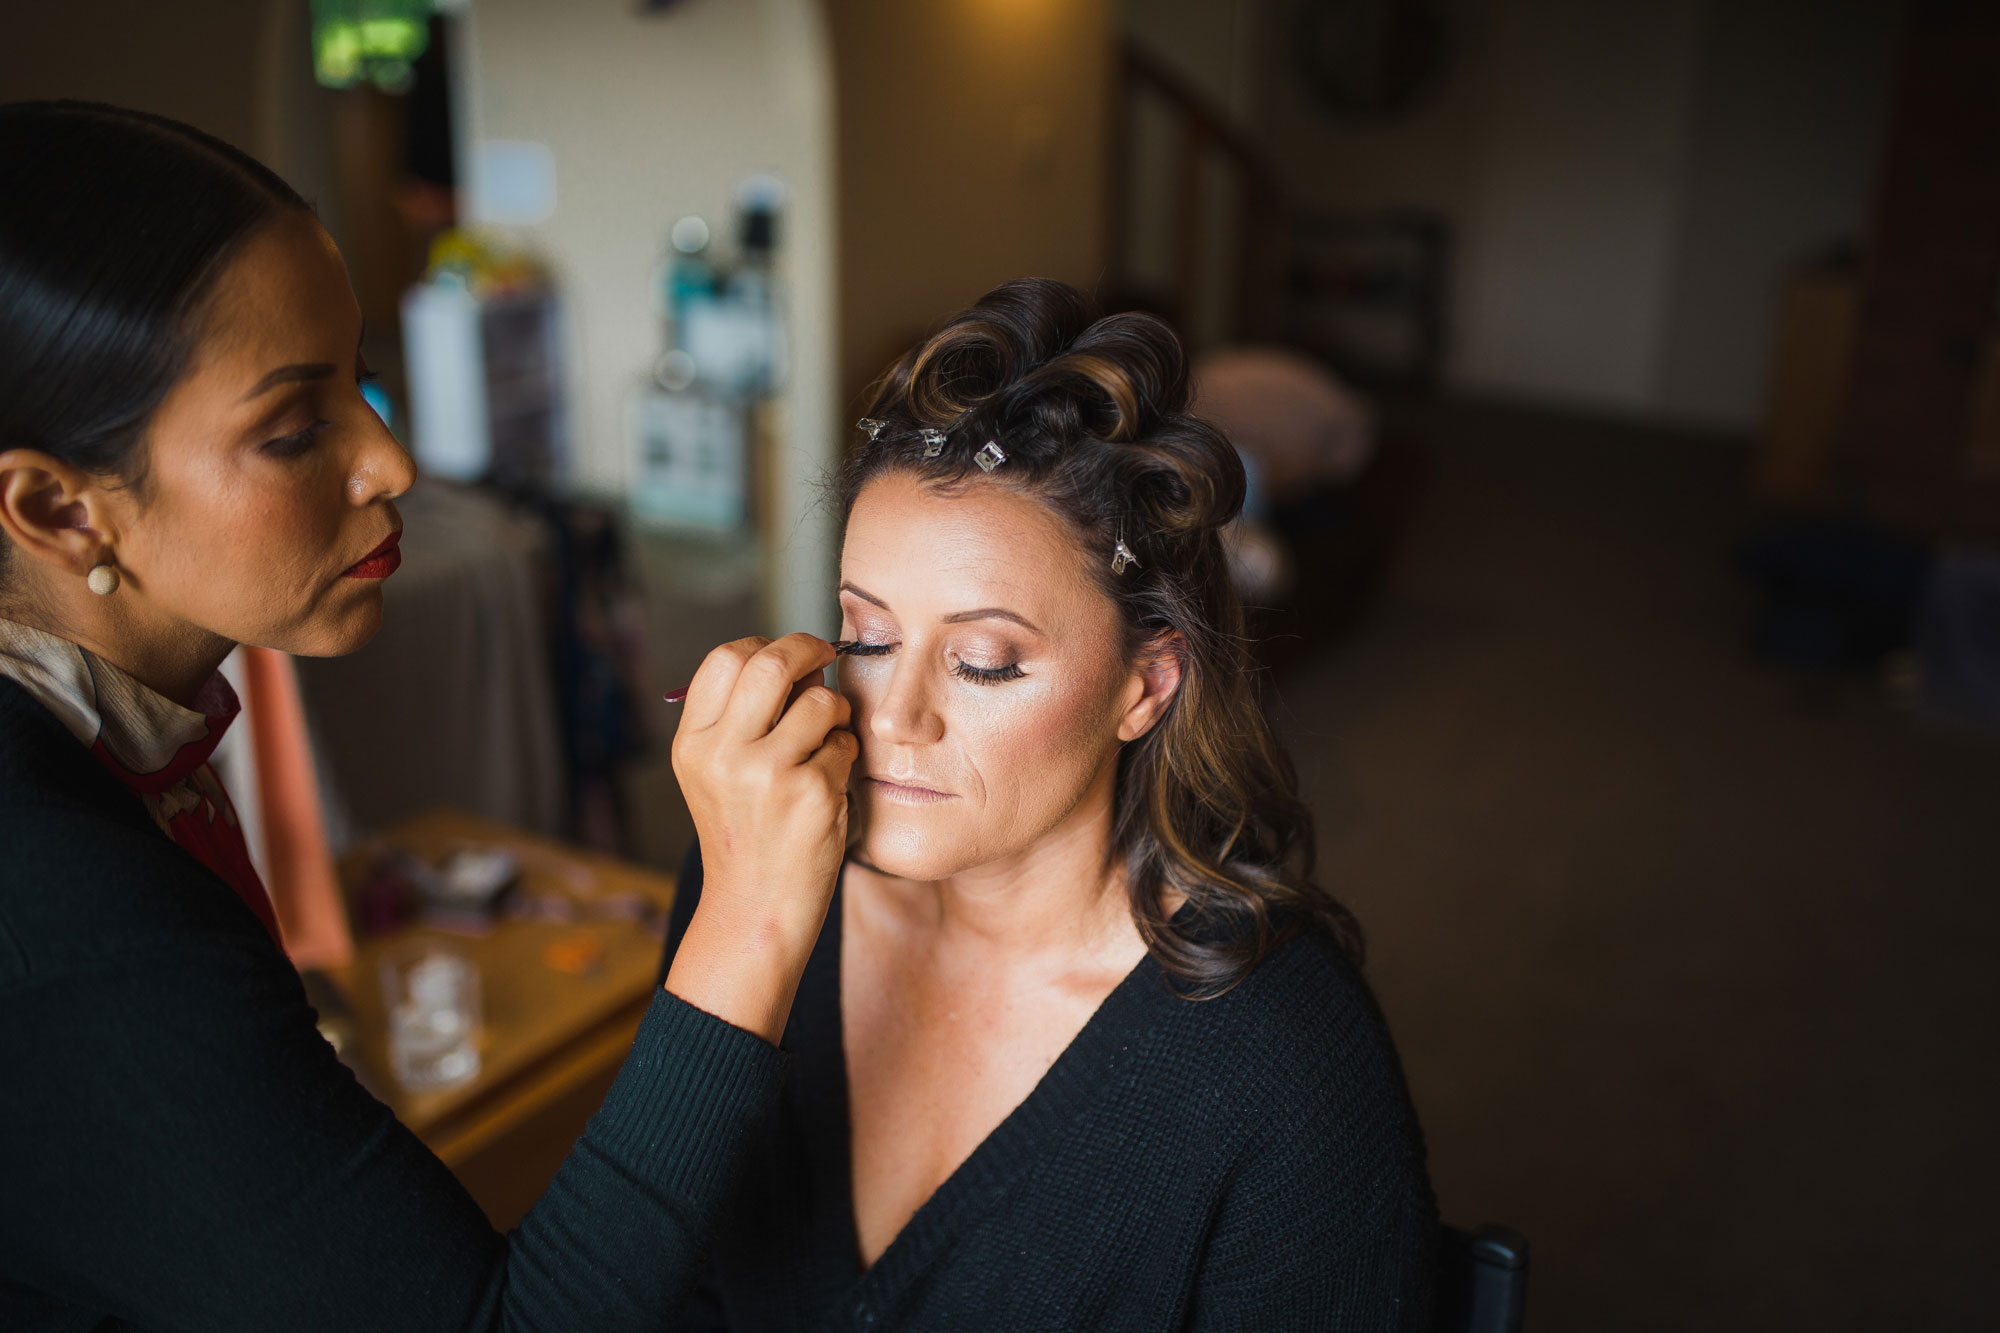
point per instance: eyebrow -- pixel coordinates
(957, 617)
(298, 374)
(317, 370)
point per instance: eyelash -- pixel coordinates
(295, 444)
(291, 446)
(987, 675)
(963, 670)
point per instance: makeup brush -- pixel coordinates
(841, 648)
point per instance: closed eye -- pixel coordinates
(870, 649)
(987, 675)
(295, 444)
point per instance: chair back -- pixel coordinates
(1485, 1280)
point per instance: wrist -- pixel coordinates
(744, 909)
(741, 959)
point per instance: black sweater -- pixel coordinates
(1246, 1162)
(179, 1148)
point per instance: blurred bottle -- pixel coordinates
(482, 352)
(690, 420)
(688, 276)
(753, 287)
(733, 333)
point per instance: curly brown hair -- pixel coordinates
(1092, 416)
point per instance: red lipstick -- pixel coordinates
(381, 562)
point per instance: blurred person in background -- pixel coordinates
(1084, 1045)
(187, 463)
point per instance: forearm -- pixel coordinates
(251, 1152)
(762, 754)
(741, 960)
(623, 1226)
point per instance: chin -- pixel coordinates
(906, 852)
(341, 634)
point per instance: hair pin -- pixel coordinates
(1121, 555)
(873, 427)
(933, 441)
(990, 456)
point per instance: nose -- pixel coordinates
(383, 468)
(903, 713)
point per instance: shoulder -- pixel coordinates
(1329, 1149)
(1307, 1007)
(86, 876)
(1299, 1054)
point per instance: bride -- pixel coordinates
(1083, 1044)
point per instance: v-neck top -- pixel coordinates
(1250, 1160)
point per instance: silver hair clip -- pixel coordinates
(990, 456)
(873, 427)
(1121, 555)
(933, 441)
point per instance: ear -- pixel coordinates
(1157, 678)
(53, 512)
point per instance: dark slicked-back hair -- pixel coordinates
(113, 227)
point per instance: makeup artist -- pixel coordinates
(186, 463)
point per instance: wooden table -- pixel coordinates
(552, 1040)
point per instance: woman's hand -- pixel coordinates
(762, 755)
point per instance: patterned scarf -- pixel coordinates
(156, 748)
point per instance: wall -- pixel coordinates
(145, 55)
(1628, 184)
(1786, 136)
(1241, 52)
(971, 150)
(933, 149)
(650, 117)
(1220, 45)
(1569, 249)
(244, 74)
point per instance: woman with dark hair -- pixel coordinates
(1084, 1045)
(186, 463)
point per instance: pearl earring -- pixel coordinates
(103, 579)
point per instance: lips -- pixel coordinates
(909, 793)
(381, 562)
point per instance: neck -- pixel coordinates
(174, 660)
(1057, 896)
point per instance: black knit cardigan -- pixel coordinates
(179, 1148)
(1245, 1162)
